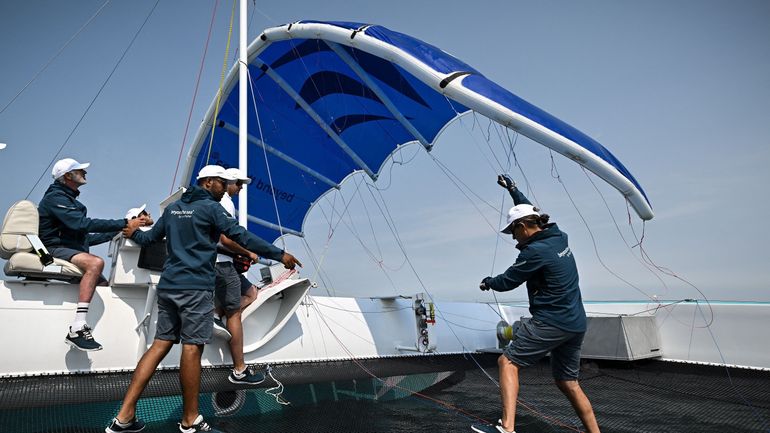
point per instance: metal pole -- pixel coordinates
(243, 207)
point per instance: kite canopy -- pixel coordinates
(335, 98)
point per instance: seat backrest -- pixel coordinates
(20, 220)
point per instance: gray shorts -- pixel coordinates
(186, 315)
(64, 253)
(228, 286)
(534, 339)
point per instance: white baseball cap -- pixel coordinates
(517, 212)
(215, 171)
(66, 165)
(239, 175)
(135, 211)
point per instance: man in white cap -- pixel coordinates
(233, 291)
(558, 321)
(192, 227)
(136, 212)
(67, 233)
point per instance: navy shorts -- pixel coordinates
(245, 285)
(64, 253)
(185, 315)
(534, 339)
(228, 286)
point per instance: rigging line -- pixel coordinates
(554, 170)
(502, 210)
(617, 227)
(319, 274)
(55, 56)
(261, 12)
(362, 312)
(355, 234)
(371, 255)
(381, 260)
(391, 225)
(267, 163)
(456, 179)
(446, 172)
(670, 273)
(474, 140)
(746, 401)
(195, 95)
(402, 162)
(93, 100)
(221, 83)
(371, 226)
(487, 138)
(494, 258)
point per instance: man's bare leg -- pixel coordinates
(235, 327)
(509, 390)
(580, 402)
(249, 297)
(145, 368)
(92, 267)
(190, 379)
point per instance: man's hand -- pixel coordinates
(484, 284)
(290, 261)
(131, 227)
(506, 182)
(254, 257)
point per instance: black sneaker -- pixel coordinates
(198, 425)
(133, 426)
(82, 340)
(249, 376)
(220, 330)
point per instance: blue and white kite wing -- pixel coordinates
(336, 98)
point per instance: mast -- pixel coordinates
(243, 132)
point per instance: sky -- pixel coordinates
(678, 90)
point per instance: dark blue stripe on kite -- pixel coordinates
(299, 51)
(342, 123)
(326, 83)
(384, 71)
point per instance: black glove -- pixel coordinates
(506, 182)
(484, 284)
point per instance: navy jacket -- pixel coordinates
(548, 267)
(63, 221)
(192, 226)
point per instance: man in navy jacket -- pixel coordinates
(558, 321)
(192, 227)
(67, 233)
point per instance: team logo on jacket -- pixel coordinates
(183, 213)
(566, 252)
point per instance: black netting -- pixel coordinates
(652, 396)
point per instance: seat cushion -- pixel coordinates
(20, 220)
(28, 265)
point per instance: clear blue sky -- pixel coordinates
(677, 90)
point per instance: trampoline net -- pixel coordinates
(445, 394)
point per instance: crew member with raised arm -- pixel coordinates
(558, 321)
(67, 233)
(192, 227)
